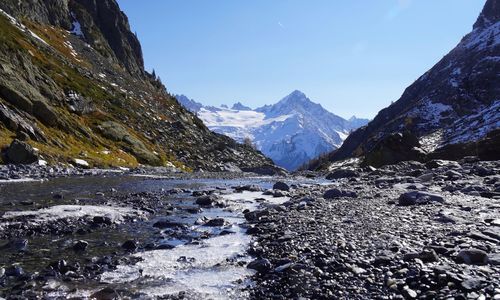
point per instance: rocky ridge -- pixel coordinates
(73, 86)
(451, 111)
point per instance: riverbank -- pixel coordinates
(404, 231)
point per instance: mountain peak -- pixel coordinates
(297, 93)
(294, 98)
(240, 106)
(489, 15)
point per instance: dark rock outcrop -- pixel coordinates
(21, 153)
(72, 77)
(451, 107)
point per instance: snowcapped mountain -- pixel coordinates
(290, 132)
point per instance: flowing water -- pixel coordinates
(211, 267)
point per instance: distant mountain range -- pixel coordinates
(290, 132)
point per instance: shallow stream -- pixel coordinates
(197, 262)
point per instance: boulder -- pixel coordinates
(130, 245)
(81, 163)
(336, 193)
(260, 265)
(419, 197)
(80, 246)
(248, 187)
(21, 153)
(207, 200)
(217, 222)
(473, 256)
(280, 185)
(118, 133)
(45, 113)
(395, 148)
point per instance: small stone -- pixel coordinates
(217, 222)
(80, 246)
(14, 271)
(260, 265)
(130, 245)
(409, 293)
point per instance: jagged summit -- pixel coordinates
(489, 15)
(295, 102)
(240, 106)
(102, 24)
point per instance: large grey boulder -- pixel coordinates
(21, 153)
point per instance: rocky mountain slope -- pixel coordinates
(451, 111)
(290, 132)
(73, 89)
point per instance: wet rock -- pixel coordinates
(473, 257)
(98, 220)
(418, 198)
(217, 222)
(19, 245)
(226, 232)
(256, 215)
(130, 245)
(248, 187)
(60, 266)
(207, 200)
(280, 185)
(106, 294)
(14, 271)
(260, 265)
(80, 246)
(168, 224)
(342, 173)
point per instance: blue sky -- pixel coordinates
(352, 56)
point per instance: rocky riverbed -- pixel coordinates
(405, 231)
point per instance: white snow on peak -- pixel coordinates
(237, 118)
(291, 132)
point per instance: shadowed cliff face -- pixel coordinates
(104, 26)
(489, 15)
(73, 85)
(451, 104)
